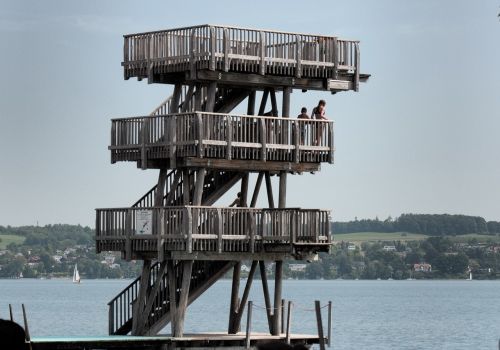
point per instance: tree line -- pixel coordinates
(427, 224)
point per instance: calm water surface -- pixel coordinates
(367, 314)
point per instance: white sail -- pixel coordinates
(76, 275)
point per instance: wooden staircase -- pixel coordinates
(204, 275)
(216, 184)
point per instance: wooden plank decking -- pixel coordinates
(221, 136)
(189, 50)
(213, 233)
(163, 342)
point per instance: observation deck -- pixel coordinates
(213, 233)
(244, 57)
(223, 141)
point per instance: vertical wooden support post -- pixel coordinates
(197, 97)
(227, 48)
(356, 74)
(282, 316)
(213, 44)
(229, 138)
(289, 321)
(256, 190)
(251, 103)
(244, 190)
(249, 324)
(192, 54)
(211, 91)
(262, 38)
(265, 289)
(187, 268)
(174, 106)
(186, 187)
(274, 104)
(298, 56)
(198, 189)
(282, 190)
(144, 142)
(172, 295)
(278, 285)
(335, 58)
(269, 189)
(319, 322)
(235, 290)
(286, 102)
(329, 323)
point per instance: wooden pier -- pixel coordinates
(202, 150)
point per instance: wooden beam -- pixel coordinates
(160, 187)
(251, 103)
(263, 102)
(172, 295)
(152, 295)
(235, 288)
(244, 190)
(285, 111)
(174, 106)
(138, 307)
(233, 101)
(187, 99)
(269, 188)
(278, 285)
(210, 104)
(265, 289)
(186, 186)
(187, 268)
(274, 105)
(239, 314)
(173, 189)
(256, 190)
(198, 189)
(282, 190)
(248, 165)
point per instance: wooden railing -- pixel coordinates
(213, 135)
(209, 229)
(120, 307)
(224, 48)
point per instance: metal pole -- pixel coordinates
(10, 312)
(26, 329)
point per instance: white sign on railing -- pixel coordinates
(143, 222)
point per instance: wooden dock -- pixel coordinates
(165, 342)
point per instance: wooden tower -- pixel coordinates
(202, 151)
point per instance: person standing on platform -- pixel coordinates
(318, 113)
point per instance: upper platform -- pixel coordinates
(223, 54)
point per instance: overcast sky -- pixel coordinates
(422, 136)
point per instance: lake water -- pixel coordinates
(366, 314)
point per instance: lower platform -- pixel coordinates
(164, 342)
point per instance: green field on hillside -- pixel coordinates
(403, 236)
(5, 240)
(378, 236)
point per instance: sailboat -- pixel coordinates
(76, 275)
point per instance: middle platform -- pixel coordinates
(213, 233)
(223, 141)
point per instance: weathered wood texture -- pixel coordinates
(231, 49)
(221, 136)
(192, 229)
(204, 274)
